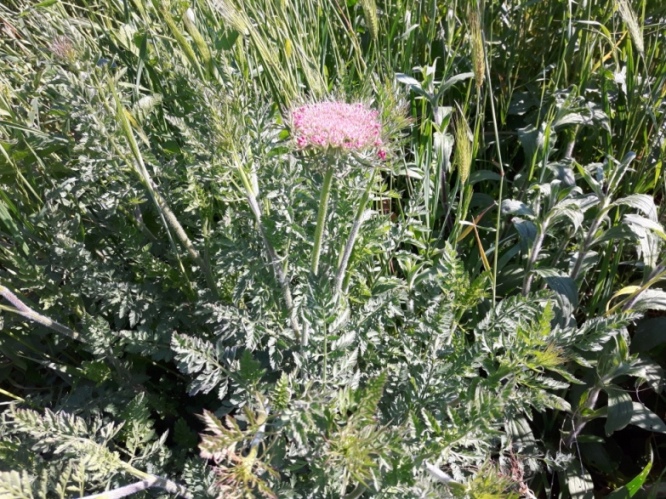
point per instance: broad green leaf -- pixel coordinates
(521, 435)
(515, 207)
(452, 81)
(407, 80)
(620, 410)
(646, 419)
(579, 482)
(637, 221)
(646, 369)
(564, 286)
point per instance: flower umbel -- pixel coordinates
(336, 125)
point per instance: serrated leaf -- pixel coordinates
(15, 485)
(251, 371)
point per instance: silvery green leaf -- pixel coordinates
(565, 286)
(563, 172)
(526, 230)
(443, 146)
(407, 80)
(440, 114)
(444, 86)
(522, 102)
(646, 223)
(344, 341)
(648, 370)
(650, 235)
(642, 202)
(650, 299)
(618, 170)
(570, 209)
(620, 409)
(532, 139)
(515, 207)
(521, 435)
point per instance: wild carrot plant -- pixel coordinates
(331, 249)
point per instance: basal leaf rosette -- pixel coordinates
(337, 127)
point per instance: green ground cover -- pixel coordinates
(200, 299)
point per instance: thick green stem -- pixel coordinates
(319, 236)
(321, 218)
(351, 240)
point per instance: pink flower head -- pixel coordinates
(337, 125)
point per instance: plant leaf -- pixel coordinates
(646, 419)
(620, 410)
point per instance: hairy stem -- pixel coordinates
(536, 249)
(349, 246)
(580, 422)
(588, 241)
(272, 254)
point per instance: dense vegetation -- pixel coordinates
(196, 304)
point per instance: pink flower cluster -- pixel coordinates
(337, 125)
